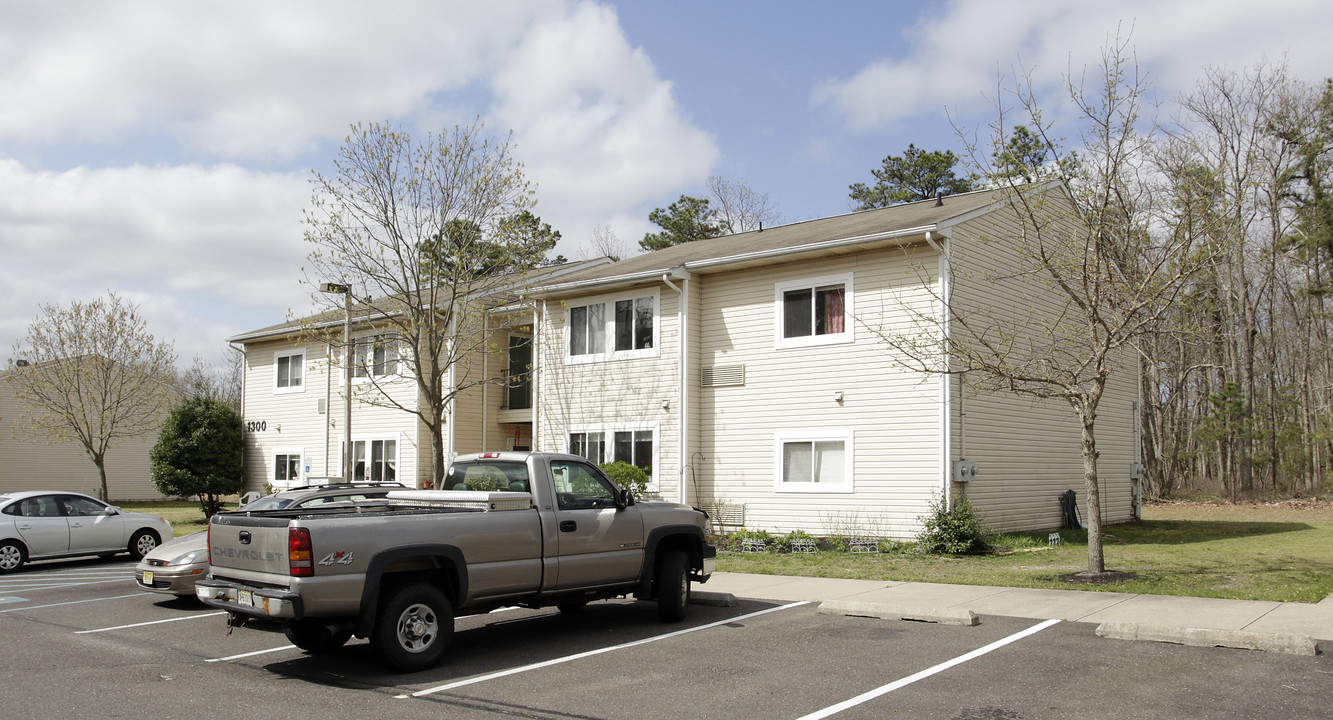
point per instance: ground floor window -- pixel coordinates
(634, 445)
(286, 468)
(374, 460)
(814, 462)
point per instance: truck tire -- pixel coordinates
(315, 638)
(673, 586)
(414, 627)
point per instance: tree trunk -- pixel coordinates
(1087, 412)
(100, 461)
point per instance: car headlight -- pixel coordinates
(188, 557)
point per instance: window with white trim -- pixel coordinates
(376, 357)
(374, 460)
(815, 311)
(814, 462)
(635, 445)
(289, 371)
(286, 468)
(613, 328)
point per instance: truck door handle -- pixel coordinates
(568, 526)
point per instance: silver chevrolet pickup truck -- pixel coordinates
(513, 528)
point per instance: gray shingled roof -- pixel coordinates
(728, 250)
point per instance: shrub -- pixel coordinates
(199, 453)
(954, 530)
(628, 476)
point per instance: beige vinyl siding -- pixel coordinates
(281, 422)
(36, 464)
(1027, 450)
(894, 414)
(615, 393)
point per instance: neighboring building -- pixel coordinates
(741, 372)
(746, 372)
(36, 464)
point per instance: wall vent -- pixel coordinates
(723, 375)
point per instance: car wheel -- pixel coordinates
(414, 627)
(315, 638)
(142, 543)
(673, 586)
(12, 556)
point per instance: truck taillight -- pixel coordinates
(300, 561)
(210, 544)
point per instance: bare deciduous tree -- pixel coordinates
(740, 209)
(92, 373)
(422, 229)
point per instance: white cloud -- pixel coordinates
(239, 79)
(597, 129)
(226, 238)
(956, 52)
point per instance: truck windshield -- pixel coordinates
(489, 476)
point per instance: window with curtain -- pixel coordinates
(814, 312)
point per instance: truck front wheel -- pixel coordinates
(673, 586)
(414, 627)
(315, 638)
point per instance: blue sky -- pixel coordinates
(163, 150)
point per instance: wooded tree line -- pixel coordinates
(1238, 388)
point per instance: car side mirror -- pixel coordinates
(111, 510)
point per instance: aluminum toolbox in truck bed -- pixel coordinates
(489, 501)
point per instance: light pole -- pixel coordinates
(346, 292)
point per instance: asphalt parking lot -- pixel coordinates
(80, 641)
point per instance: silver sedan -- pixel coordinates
(40, 525)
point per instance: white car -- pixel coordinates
(44, 524)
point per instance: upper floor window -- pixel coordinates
(613, 328)
(375, 357)
(816, 311)
(290, 371)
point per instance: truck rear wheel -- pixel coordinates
(414, 627)
(673, 586)
(315, 638)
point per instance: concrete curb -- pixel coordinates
(712, 599)
(1287, 643)
(945, 616)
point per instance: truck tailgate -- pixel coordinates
(257, 544)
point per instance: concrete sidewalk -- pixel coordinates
(1295, 628)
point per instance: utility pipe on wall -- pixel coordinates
(682, 415)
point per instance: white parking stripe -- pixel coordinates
(865, 697)
(72, 602)
(590, 653)
(151, 622)
(251, 654)
(57, 586)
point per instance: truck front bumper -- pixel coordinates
(250, 601)
(709, 558)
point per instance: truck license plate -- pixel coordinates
(245, 597)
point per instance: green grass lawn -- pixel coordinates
(1255, 552)
(1280, 551)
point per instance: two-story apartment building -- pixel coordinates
(753, 370)
(749, 370)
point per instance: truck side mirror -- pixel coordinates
(624, 498)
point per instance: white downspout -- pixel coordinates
(537, 349)
(682, 414)
(485, 386)
(946, 410)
